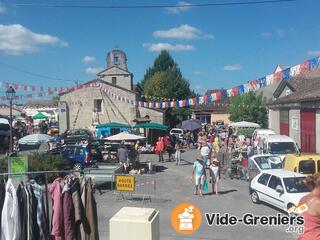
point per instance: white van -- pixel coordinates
(277, 145)
(178, 132)
(259, 133)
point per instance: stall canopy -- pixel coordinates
(244, 124)
(34, 139)
(39, 115)
(125, 136)
(191, 124)
(113, 125)
(152, 125)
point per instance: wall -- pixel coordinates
(124, 79)
(81, 107)
(274, 120)
(294, 125)
(318, 131)
(155, 115)
(220, 116)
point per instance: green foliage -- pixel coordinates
(249, 107)
(40, 162)
(245, 131)
(56, 98)
(164, 80)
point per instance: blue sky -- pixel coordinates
(214, 46)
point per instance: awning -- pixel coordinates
(113, 125)
(39, 115)
(125, 136)
(244, 124)
(152, 125)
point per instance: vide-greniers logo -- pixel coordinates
(186, 218)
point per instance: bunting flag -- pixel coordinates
(294, 71)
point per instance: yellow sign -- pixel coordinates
(125, 183)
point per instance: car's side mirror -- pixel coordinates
(279, 189)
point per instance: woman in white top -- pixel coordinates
(214, 174)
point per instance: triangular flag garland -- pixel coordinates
(253, 85)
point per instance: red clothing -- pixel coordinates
(159, 146)
(311, 227)
(57, 231)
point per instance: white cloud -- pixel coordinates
(157, 47)
(16, 39)
(2, 8)
(93, 70)
(235, 67)
(198, 87)
(266, 34)
(199, 73)
(88, 59)
(314, 52)
(179, 8)
(183, 32)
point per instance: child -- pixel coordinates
(214, 174)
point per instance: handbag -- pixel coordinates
(205, 186)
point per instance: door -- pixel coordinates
(284, 122)
(273, 197)
(261, 186)
(308, 131)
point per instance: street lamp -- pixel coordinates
(11, 94)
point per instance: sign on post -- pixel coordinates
(125, 183)
(18, 165)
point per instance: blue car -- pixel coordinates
(78, 157)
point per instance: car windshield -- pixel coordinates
(282, 147)
(269, 162)
(176, 131)
(295, 185)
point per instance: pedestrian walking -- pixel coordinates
(178, 148)
(122, 155)
(199, 175)
(205, 151)
(160, 148)
(214, 174)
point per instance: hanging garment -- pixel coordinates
(68, 211)
(91, 212)
(79, 211)
(10, 225)
(2, 195)
(57, 230)
(33, 229)
(22, 198)
(40, 210)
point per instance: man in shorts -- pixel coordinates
(199, 174)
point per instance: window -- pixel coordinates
(116, 60)
(114, 80)
(282, 147)
(295, 185)
(274, 182)
(79, 151)
(307, 167)
(264, 178)
(97, 105)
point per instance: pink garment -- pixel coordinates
(311, 227)
(57, 231)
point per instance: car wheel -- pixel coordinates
(77, 167)
(255, 197)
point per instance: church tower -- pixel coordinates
(117, 72)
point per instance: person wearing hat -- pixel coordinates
(199, 174)
(214, 174)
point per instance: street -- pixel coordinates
(174, 186)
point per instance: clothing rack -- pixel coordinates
(45, 173)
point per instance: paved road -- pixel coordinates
(174, 186)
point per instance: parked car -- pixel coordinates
(259, 163)
(302, 163)
(277, 145)
(279, 188)
(178, 132)
(78, 157)
(75, 136)
(259, 133)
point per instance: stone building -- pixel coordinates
(296, 111)
(108, 98)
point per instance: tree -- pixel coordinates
(249, 107)
(165, 81)
(56, 98)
